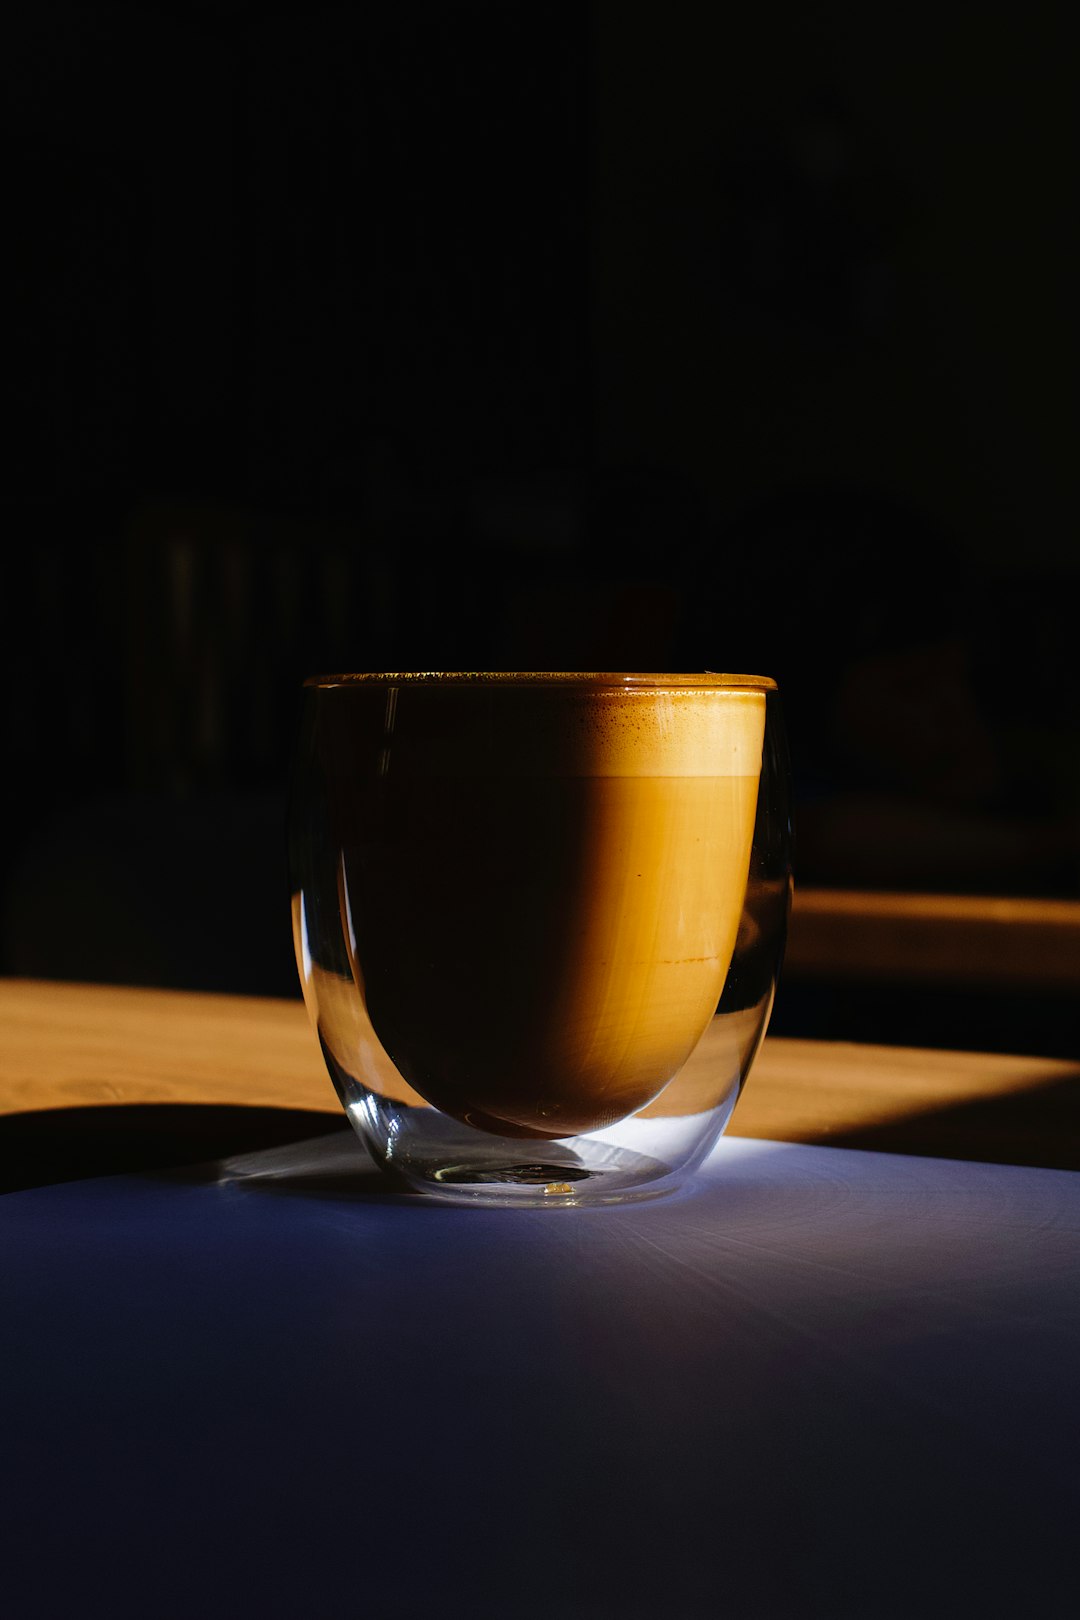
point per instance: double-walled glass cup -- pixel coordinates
(539, 920)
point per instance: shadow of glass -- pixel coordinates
(332, 1167)
(1038, 1126)
(73, 1144)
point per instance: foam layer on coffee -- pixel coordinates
(670, 733)
(541, 729)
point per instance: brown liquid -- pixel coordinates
(539, 953)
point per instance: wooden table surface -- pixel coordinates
(1006, 943)
(89, 1074)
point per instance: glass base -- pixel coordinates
(555, 1178)
(537, 1186)
(456, 1164)
(541, 1186)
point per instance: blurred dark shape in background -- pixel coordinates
(927, 719)
(541, 336)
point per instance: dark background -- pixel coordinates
(482, 335)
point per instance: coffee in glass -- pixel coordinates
(518, 901)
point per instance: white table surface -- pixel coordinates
(818, 1382)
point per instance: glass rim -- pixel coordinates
(706, 680)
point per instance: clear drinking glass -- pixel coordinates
(539, 920)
